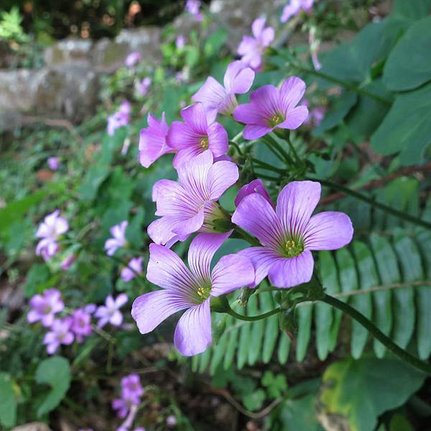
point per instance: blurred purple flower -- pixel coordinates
(289, 233)
(272, 108)
(67, 262)
(143, 86)
(193, 8)
(47, 248)
(121, 407)
(195, 135)
(118, 239)
(133, 59)
(255, 186)
(52, 227)
(189, 205)
(110, 312)
(216, 98)
(180, 41)
(294, 7)
(252, 48)
(152, 141)
(60, 333)
(44, 307)
(171, 421)
(81, 324)
(131, 388)
(133, 268)
(120, 118)
(53, 163)
(189, 289)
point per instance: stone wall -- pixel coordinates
(67, 86)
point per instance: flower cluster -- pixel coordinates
(49, 231)
(294, 7)
(119, 118)
(287, 231)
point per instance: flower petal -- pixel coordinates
(189, 225)
(150, 309)
(292, 271)
(193, 332)
(202, 250)
(211, 94)
(194, 175)
(167, 270)
(262, 259)
(160, 231)
(294, 118)
(252, 132)
(295, 204)
(221, 176)
(238, 78)
(230, 273)
(329, 230)
(255, 186)
(255, 215)
(217, 139)
(195, 118)
(291, 92)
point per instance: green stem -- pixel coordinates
(270, 141)
(379, 335)
(267, 166)
(347, 85)
(396, 213)
(253, 318)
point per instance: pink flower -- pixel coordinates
(252, 48)
(52, 227)
(189, 205)
(133, 59)
(81, 324)
(110, 312)
(60, 333)
(294, 7)
(133, 268)
(131, 388)
(67, 262)
(189, 288)
(195, 135)
(44, 307)
(152, 141)
(216, 98)
(53, 163)
(272, 108)
(118, 239)
(120, 118)
(193, 8)
(171, 421)
(180, 41)
(143, 86)
(288, 233)
(255, 186)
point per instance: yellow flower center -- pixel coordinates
(275, 120)
(292, 247)
(204, 143)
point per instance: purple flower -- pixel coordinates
(252, 48)
(189, 289)
(52, 226)
(193, 8)
(171, 421)
(317, 114)
(294, 7)
(120, 118)
(60, 333)
(131, 388)
(195, 135)
(152, 141)
(53, 163)
(118, 239)
(121, 407)
(143, 86)
(255, 186)
(110, 312)
(46, 248)
(44, 307)
(273, 108)
(133, 268)
(67, 262)
(189, 205)
(238, 79)
(133, 59)
(81, 324)
(180, 41)
(289, 233)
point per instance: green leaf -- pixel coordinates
(412, 9)
(406, 128)
(55, 372)
(361, 390)
(36, 280)
(408, 65)
(8, 403)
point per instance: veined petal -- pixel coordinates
(294, 118)
(262, 259)
(230, 273)
(291, 92)
(211, 94)
(295, 204)
(217, 139)
(182, 136)
(193, 332)
(202, 250)
(252, 132)
(221, 176)
(290, 272)
(248, 113)
(189, 225)
(173, 200)
(255, 215)
(255, 186)
(167, 270)
(329, 230)
(238, 78)
(150, 309)
(195, 117)
(160, 230)
(266, 99)
(185, 155)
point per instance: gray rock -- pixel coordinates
(71, 50)
(34, 426)
(108, 55)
